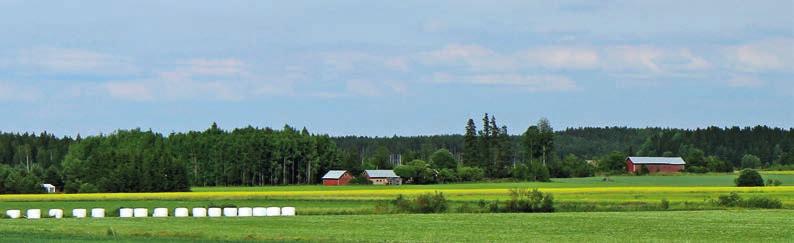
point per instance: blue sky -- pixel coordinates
(393, 67)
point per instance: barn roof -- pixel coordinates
(334, 174)
(658, 160)
(381, 173)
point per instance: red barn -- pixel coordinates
(655, 164)
(336, 178)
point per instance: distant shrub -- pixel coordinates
(749, 177)
(360, 180)
(773, 182)
(730, 200)
(523, 200)
(470, 173)
(643, 170)
(424, 203)
(665, 204)
(734, 200)
(761, 202)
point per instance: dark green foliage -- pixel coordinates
(125, 161)
(751, 161)
(360, 180)
(749, 177)
(643, 170)
(696, 169)
(523, 200)
(423, 203)
(470, 173)
(447, 176)
(734, 200)
(665, 204)
(417, 172)
(442, 158)
(615, 162)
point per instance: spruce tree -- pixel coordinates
(470, 146)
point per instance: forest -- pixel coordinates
(138, 161)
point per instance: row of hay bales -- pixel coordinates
(159, 212)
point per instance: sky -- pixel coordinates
(383, 68)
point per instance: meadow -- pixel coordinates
(618, 193)
(619, 208)
(680, 226)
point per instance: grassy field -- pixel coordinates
(682, 226)
(620, 193)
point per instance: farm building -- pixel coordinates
(336, 178)
(655, 164)
(49, 188)
(383, 177)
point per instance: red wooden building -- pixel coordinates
(655, 164)
(337, 178)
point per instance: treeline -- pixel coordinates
(135, 160)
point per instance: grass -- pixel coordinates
(681, 226)
(620, 193)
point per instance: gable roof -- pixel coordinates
(380, 173)
(658, 160)
(334, 174)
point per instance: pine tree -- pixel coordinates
(470, 147)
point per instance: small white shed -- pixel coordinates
(48, 187)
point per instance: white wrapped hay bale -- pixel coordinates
(160, 213)
(125, 213)
(33, 213)
(55, 213)
(245, 212)
(273, 211)
(79, 212)
(199, 212)
(214, 212)
(140, 212)
(259, 211)
(288, 211)
(180, 212)
(14, 213)
(230, 212)
(97, 212)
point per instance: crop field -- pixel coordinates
(685, 192)
(591, 209)
(689, 226)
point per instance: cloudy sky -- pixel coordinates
(393, 67)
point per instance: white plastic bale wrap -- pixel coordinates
(140, 212)
(33, 213)
(97, 212)
(260, 211)
(273, 211)
(14, 213)
(125, 213)
(180, 212)
(245, 212)
(79, 212)
(199, 212)
(214, 212)
(55, 213)
(160, 213)
(288, 211)
(230, 212)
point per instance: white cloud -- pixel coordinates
(743, 81)
(475, 57)
(773, 54)
(13, 92)
(136, 91)
(74, 61)
(362, 87)
(560, 57)
(532, 83)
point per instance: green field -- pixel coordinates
(619, 193)
(623, 208)
(715, 226)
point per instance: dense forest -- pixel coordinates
(136, 161)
